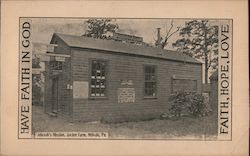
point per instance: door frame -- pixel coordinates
(54, 95)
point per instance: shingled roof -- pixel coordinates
(126, 48)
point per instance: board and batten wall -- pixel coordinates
(122, 67)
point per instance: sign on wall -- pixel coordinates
(184, 85)
(127, 82)
(60, 58)
(80, 89)
(126, 95)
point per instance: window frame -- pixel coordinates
(144, 81)
(90, 78)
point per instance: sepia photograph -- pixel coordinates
(116, 78)
(125, 78)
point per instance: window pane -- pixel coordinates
(93, 81)
(102, 83)
(97, 82)
(102, 91)
(150, 81)
(147, 77)
(152, 69)
(98, 78)
(152, 77)
(92, 90)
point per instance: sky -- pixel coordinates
(43, 28)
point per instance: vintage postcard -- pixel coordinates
(95, 74)
(167, 81)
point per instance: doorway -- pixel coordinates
(55, 95)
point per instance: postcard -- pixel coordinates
(116, 79)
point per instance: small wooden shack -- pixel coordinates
(91, 79)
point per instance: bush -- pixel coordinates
(196, 105)
(190, 102)
(36, 89)
(178, 102)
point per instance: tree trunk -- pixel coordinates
(206, 69)
(205, 54)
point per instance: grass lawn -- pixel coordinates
(204, 128)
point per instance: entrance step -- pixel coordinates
(52, 114)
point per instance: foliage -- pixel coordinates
(98, 28)
(200, 40)
(36, 89)
(178, 102)
(196, 105)
(191, 102)
(36, 82)
(36, 62)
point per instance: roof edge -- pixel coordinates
(193, 60)
(155, 57)
(56, 34)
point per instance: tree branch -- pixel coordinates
(169, 30)
(165, 42)
(178, 28)
(209, 64)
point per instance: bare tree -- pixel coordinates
(170, 32)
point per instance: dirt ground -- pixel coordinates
(204, 128)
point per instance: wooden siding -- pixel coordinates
(64, 78)
(127, 67)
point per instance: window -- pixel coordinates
(55, 65)
(150, 81)
(184, 85)
(98, 78)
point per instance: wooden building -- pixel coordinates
(91, 79)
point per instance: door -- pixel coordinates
(54, 95)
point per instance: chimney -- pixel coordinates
(158, 41)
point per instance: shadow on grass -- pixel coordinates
(204, 128)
